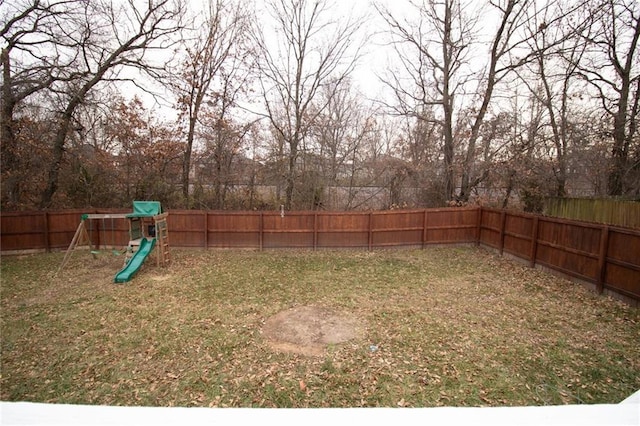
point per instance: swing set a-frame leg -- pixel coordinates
(79, 238)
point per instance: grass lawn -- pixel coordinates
(444, 326)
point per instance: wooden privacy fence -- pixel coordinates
(605, 256)
(613, 212)
(46, 231)
(263, 230)
(608, 257)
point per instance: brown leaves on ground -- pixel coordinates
(440, 326)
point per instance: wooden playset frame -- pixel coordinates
(147, 222)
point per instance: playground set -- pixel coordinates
(147, 230)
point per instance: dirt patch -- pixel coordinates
(160, 278)
(308, 330)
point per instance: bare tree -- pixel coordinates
(519, 169)
(103, 39)
(216, 52)
(552, 75)
(311, 49)
(338, 138)
(612, 66)
(223, 137)
(431, 51)
(505, 44)
(31, 31)
(435, 52)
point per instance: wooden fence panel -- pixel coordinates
(121, 230)
(104, 233)
(609, 258)
(23, 231)
(61, 226)
(187, 228)
(55, 230)
(451, 226)
(233, 229)
(622, 268)
(613, 212)
(338, 229)
(397, 228)
(490, 227)
(572, 248)
(518, 229)
(291, 230)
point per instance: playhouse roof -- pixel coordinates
(145, 209)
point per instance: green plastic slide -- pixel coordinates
(136, 261)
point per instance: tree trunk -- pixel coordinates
(620, 145)
(447, 103)
(63, 128)
(621, 139)
(465, 186)
(58, 155)
(291, 174)
(7, 138)
(449, 184)
(186, 162)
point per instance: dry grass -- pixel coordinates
(455, 326)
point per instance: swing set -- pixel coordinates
(147, 230)
(102, 230)
(84, 235)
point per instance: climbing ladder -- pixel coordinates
(137, 231)
(162, 239)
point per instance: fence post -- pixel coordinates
(425, 224)
(503, 223)
(98, 228)
(478, 225)
(315, 230)
(370, 230)
(206, 229)
(261, 230)
(534, 242)
(47, 237)
(602, 258)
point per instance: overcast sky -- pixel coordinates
(376, 54)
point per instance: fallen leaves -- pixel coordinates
(487, 332)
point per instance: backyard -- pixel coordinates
(442, 326)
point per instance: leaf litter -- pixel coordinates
(454, 326)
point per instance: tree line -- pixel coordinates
(501, 102)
